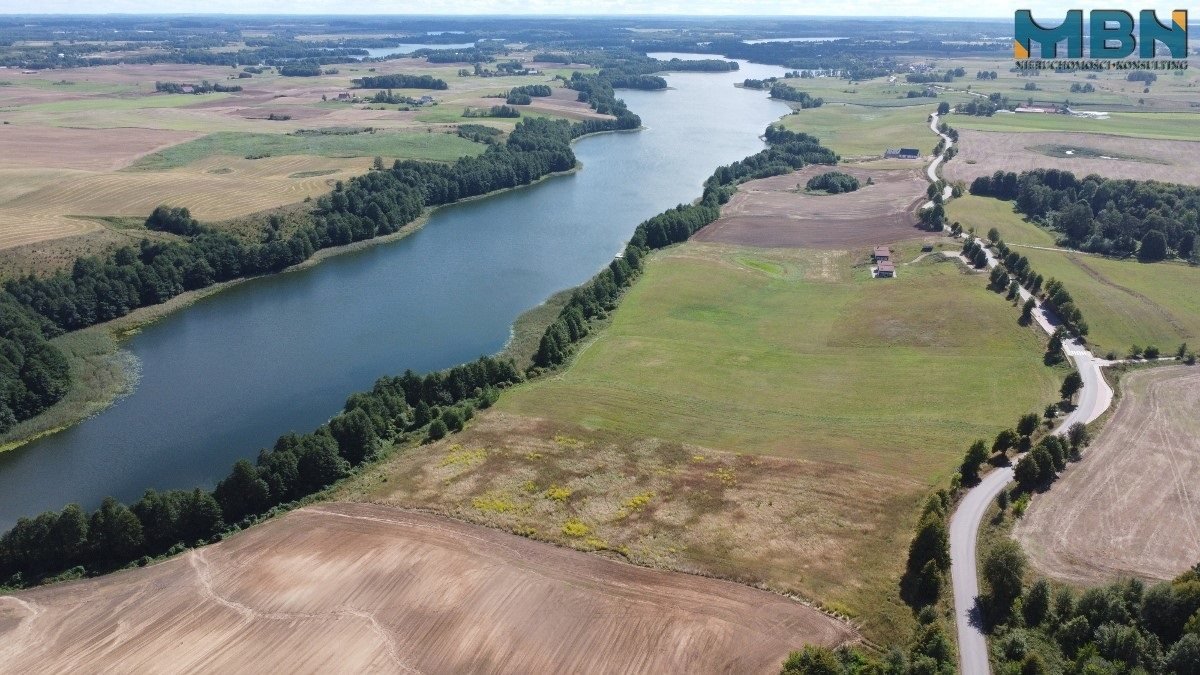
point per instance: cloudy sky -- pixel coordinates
(991, 8)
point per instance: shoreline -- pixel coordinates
(82, 403)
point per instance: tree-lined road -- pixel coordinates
(1095, 396)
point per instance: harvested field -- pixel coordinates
(772, 212)
(1133, 158)
(25, 147)
(1131, 507)
(358, 588)
(213, 189)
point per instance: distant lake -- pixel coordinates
(792, 39)
(227, 375)
(410, 47)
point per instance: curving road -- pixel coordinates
(1094, 398)
(931, 170)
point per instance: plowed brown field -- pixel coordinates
(772, 212)
(1132, 506)
(366, 588)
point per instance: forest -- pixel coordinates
(399, 81)
(33, 373)
(785, 93)
(203, 88)
(832, 182)
(1117, 217)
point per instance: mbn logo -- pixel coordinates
(1111, 35)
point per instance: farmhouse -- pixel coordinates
(343, 96)
(882, 254)
(886, 270)
(902, 153)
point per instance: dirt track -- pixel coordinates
(367, 588)
(770, 212)
(1132, 506)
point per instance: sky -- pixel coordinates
(903, 8)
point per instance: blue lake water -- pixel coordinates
(229, 374)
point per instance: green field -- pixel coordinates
(984, 213)
(1174, 90)
(862, 131)
(99, 103)
(397, 145)
(753, 353)
(1123, 301)
(1169, 126)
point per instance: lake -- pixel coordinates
(227, 375)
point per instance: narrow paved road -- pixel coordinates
(931, 170)
(1094, 398)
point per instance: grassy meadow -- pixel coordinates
(1124, 302)
(771, 416)
(424, 145)
(784, 354)
(864, 131)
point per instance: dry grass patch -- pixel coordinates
(789, 525)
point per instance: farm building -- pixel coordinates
(886, 270)
(882, 254)
(902, 153)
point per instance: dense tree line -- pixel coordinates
(786, 93)
(524, 95)
(33, 372)
(203, 88)
(1116, 217)
(399, 81)
(1124, 627)
(298, 465)
(456, 55)
(479, 133)
(788, 151)
(925, 78)
(300, 70)
(622, 80)
(503, 111)
(1054, 295)
(979, 107)
(532, 90)
(833, 182)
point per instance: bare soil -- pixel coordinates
(982, 153)
(1131, 507)
(365, 588)
(777, 212)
